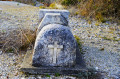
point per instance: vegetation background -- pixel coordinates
(100, 10)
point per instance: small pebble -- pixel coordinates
(0, 52)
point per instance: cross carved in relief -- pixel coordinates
(55, 50)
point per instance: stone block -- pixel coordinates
(27, 67)
(52, 18)
(64, 13)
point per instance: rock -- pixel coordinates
(52, 18)
(64, 13)
(0, 52)
(38, 4)
(0, 9)
(54, 46)
(96, 68)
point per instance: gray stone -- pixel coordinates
(52, 18)
(64, 13)
(1, 52)
(55, 46)
(38, 4)
(27, 67)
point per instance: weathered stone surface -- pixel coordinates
(54, 46)
(64, 13)
(52, 18)
(28, 68)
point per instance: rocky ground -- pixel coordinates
(101, 45)
(100, 42)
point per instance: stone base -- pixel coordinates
(27, 67)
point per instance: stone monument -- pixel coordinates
(55, 46)
(55, 49)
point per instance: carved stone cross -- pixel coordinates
(55, 51)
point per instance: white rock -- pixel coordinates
(96, 68)
(22, 78)
(0, 52)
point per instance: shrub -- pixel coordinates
(69, 2)
(100, 8)
(42, 7)
(56, 6)
(53, 6)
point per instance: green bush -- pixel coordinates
(53, 6)
(69, 2)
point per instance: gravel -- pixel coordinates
(99, 52)
(13, 3)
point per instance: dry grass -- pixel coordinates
(19, 39)
(22, 22)
(100, 10)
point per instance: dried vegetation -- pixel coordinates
(18, 27)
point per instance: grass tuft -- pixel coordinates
(79, 43)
